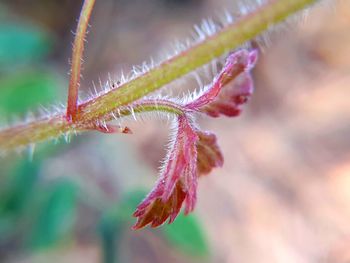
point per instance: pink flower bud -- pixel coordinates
(193, 153)
(209, 155)
(230, 89)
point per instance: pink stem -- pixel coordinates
(77, 54)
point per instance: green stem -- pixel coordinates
(230, 37)
(149, 105)
(144, 106)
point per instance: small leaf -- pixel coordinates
(209, 154)
(186, 234)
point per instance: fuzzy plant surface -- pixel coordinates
(192, 152)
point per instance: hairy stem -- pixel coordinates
(77, 54)
(161, 105)
(230, 37)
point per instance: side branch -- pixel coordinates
(77, 54)
(99, 108)
(200, 54)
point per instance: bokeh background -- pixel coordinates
(283, 194)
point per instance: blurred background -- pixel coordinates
(283, 194)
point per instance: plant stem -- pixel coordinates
(230, 37)
(25, 134)
(77, 54)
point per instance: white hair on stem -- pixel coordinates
(205, 29)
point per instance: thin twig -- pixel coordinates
(77, 55)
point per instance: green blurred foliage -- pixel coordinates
(27, 90)
(115, 221)
(187, 235)
(34, 213)
(22, 44)
(25, 83)
(57, 215)
(42, 213)
(16, 195)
